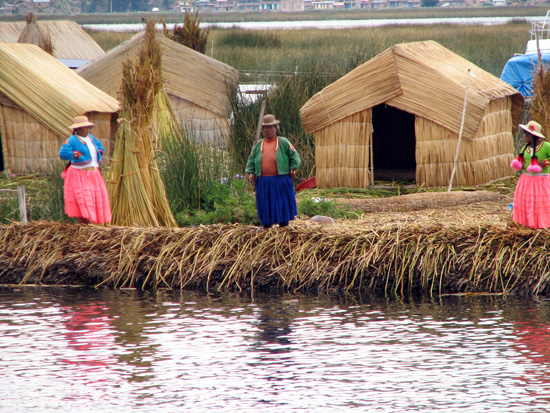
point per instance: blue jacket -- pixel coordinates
(74, 143)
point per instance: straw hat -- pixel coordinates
(533, 128)
(269, 120)
(81, 122)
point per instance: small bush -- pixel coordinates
(320, 206)
(226, 201)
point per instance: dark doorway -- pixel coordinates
(394, 144)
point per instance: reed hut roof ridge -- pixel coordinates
(47, 89)
(188, 74)
(422, 78)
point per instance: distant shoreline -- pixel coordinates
(520, 12)
(323, 24)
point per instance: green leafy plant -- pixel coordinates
(320, 206)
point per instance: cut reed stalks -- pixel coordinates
(388, 255)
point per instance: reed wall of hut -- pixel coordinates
(201, 124)
(484, 158)
(343, 152)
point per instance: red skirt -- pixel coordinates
(86, 196)
(532, 201)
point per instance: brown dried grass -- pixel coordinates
(474, 248)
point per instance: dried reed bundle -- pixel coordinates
(434, 251)
(190, 34)
(540, 106)
(134, 184)
(32, 33)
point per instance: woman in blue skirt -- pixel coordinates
(272, 165)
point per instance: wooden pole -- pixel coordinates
(260, 119)
(22, 204)
(461, 130)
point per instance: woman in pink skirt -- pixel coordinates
(532, 195)
(86, 197)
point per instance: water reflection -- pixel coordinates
(169, 351)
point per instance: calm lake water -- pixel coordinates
(82, 350)
(325, 24)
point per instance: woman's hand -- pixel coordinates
(77, 154)
(252, 179)
(293, 173)
(544, 163)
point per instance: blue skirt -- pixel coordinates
(275, 199)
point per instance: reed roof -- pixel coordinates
(69, 40)
(422, 78)
(188, 74)
(47, 89)
(10, 31)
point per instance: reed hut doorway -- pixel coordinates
(394, 144)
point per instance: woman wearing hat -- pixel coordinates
(532, 195)
(86, 197)
(271, 165)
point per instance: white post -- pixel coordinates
(461, 130)
(22, 204)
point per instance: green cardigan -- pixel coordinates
(286, 155)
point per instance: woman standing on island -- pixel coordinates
(86, 197)
(531, 206)
(272, 165)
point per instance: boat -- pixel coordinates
(518, 71)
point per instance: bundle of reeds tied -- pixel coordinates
(135, 187)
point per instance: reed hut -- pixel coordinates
(398, 116)
(39, 98)
(71, 44)
(197, 85)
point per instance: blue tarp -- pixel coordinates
(518, 72)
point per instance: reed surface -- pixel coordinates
(469, 249)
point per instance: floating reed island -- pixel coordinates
(463, 249)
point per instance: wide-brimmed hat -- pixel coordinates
(269, 120)
(81, 122)
(533, 128)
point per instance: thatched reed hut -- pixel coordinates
(39, 98)
(399, 116)
(71, 44)
(196, 84)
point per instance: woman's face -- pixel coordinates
(527, 138)
(270, 131)
(83, 131)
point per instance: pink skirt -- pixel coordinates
(86, 196)
(532, 201)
